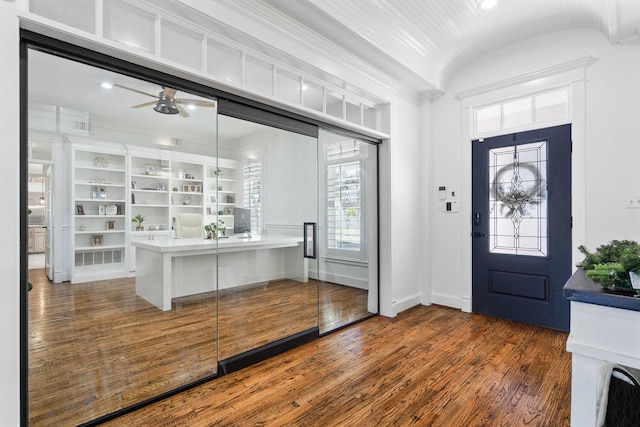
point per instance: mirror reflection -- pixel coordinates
(348, 262)
(266, 283)
(121, 169)
(110, 166)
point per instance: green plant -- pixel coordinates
(213, 229)
(138, 219)
(610, 264)
(607, 275)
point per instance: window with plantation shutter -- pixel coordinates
(253, 194)
(344, 200)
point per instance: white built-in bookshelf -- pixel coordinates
(112, 185)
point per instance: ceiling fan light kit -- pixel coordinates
(167, 102)
(166, 105)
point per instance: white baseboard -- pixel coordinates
(59, 277)
(447, 300)
(406, 303)
(461, 303)
(466, 304)
(341, 279)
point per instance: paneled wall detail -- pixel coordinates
(183, 43)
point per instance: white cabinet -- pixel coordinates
(600, 336)
(39, 240)
(36, 239)
(139, 236)
(99, 200)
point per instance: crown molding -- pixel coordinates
(268, 18)
(583, 62)
(263, 14)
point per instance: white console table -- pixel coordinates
(604, 330)
(166, 269)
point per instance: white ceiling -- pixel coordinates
(423, 43)
(59, 82)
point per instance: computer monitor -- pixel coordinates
(241, 220)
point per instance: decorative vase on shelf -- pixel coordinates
(100, 162)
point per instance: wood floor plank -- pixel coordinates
(429, 366)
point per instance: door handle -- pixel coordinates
(478, 234)
(309, 241)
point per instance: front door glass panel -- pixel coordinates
(518, 200)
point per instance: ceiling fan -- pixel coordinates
(166, 101)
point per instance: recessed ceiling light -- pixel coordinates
(487, 4)
(106, 85)
(191, 107)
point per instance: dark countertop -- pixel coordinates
(579, 288)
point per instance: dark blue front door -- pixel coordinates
(522, 226)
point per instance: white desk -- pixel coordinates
(177, 267)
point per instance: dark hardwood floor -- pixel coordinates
(95, 348)
(429, 366)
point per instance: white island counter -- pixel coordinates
(178, 267)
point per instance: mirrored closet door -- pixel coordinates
(187, 236)
(348, 239)
(128, 161)
(266, 292)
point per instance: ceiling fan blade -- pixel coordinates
(146, 104)
(182, 111)
(135, 90)
(196, 102)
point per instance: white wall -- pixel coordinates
(613, 144)
(9, 216)
(607, 164)
(406, 217)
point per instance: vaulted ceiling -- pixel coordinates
(423, 43)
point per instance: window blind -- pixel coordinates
(253, 194)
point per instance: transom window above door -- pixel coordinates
(550, 107)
